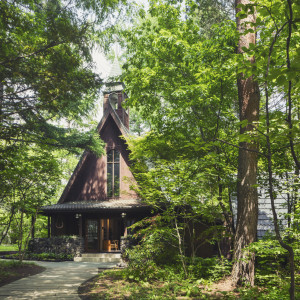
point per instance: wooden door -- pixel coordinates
(110, 234)
(92, 235)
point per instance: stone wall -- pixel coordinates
(59, 245)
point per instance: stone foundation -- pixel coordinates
(59, 245)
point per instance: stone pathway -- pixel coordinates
(59, 281)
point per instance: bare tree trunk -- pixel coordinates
(180, 248)
(5, 231)
(20, 241)
(30, 232)
(247, 196)
(226, 244)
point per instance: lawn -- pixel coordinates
(8, 247)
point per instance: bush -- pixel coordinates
(212, 268)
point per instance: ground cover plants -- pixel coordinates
(116, 284)
(42, 256)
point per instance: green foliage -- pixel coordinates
(8, 247)
(49, 256)
(143, 267)
(157, 243)
(210, 269)
(7, 268)
(45, 62)
(273, 261)
(159, 255)
(113, 285)
(182, 83)
(30, 177)
(46, 82)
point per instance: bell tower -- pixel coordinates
(114, 94)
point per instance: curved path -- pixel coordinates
(59, 281)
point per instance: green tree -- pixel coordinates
(46, 69)
(279, 128)
(28, 182)
(183, 83)
(46, 80)
(247, 196)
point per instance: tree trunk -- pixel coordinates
(226, 244)
(182, 256)
(247, 214)
(5, 231)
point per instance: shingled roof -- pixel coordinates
(95, 206)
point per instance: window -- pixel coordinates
(113, 173)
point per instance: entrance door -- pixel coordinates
(92, 235)
(110, 235)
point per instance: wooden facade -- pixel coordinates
(97, 202)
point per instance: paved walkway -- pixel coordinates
(59, 281)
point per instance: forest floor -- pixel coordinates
(112, 286)
(11, 271)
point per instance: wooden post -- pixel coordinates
(32, 227)
(80, 225)
(49, 227)
(123, 215)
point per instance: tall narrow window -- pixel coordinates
(113, 173)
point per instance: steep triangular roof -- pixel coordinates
(124, 131)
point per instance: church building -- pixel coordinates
(97, 203)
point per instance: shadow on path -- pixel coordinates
(60, 280)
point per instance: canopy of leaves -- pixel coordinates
(46, 68)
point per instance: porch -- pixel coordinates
(101, 224)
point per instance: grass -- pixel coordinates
(8, 247)
(13, 270)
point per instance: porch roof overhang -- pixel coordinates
(114, 205)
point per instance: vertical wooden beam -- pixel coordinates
(80, 225)
(32, 227)
(49, 227)
(124, 224)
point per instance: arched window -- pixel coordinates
(113, 173)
